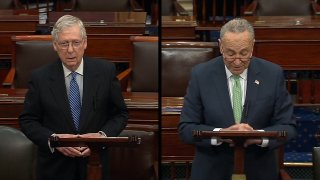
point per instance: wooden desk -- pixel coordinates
(107, 22)
(290, 54)
(143, 107)
(285, 27)
(172, 148)
(13, 24)
(115, 48)
(277, 27)
(290, 41)
(178, 28)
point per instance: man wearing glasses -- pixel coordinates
(236, 92)
(76, 96)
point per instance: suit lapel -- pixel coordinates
(90, 83)
(223, 91)
(59, 92)
(252, 85)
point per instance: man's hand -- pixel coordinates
(238, 127)
(77, 151)
(70, 151)
(241, 127)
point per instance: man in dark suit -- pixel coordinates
(218, 89)
(73, 97)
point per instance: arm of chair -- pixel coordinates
(180, 10)
(156, 170)
(251, 9)
(136, 6)
(315, 8)
(124, 79)
(284, 175)
(124, 75)
(8, 81)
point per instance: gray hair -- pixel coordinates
(237, 25)
(67, 21)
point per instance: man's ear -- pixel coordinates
(220, 46)
(54, 46)
(253, 42)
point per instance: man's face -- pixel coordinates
(236, 49)
(70, 47)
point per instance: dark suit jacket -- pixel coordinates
(207, 106)
(47, 111)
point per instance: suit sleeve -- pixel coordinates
(119, 113)
(31, 117)
(192, 114)
(282, 118)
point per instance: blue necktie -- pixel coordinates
(75, 100)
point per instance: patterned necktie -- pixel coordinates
(75, 100)
(237, 98)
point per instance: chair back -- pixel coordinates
(7, 4)
(284, 8)
(316, 163)
(29, 53)
(101, 5)
(177, 60)
(134, 162)
(167, 8)
(145, 65)
(17, 154)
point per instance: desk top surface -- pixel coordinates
(178, 21)
(284, 21)
(146, 100)
(104, 18)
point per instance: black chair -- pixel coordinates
(17, 154)
(172, 8)
(29, 52)
(177, 60)
(316, 163)
(137, 162)
(142, 75)
(10, 4)
(106, 5)
(282, 8)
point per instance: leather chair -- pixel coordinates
(10, 4)
(105, 5)
(142, 75)
(177, 60)
(136, 162)
(17, 154)
(282, 8)
(29, 53)
(316, 163)
(172, 8)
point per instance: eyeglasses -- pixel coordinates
(242, 59)
(65, 44)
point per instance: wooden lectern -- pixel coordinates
(94, 167)
(239, 137)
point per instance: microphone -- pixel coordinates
(244, 116)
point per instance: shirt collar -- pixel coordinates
(243, 75)
(79, 70)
